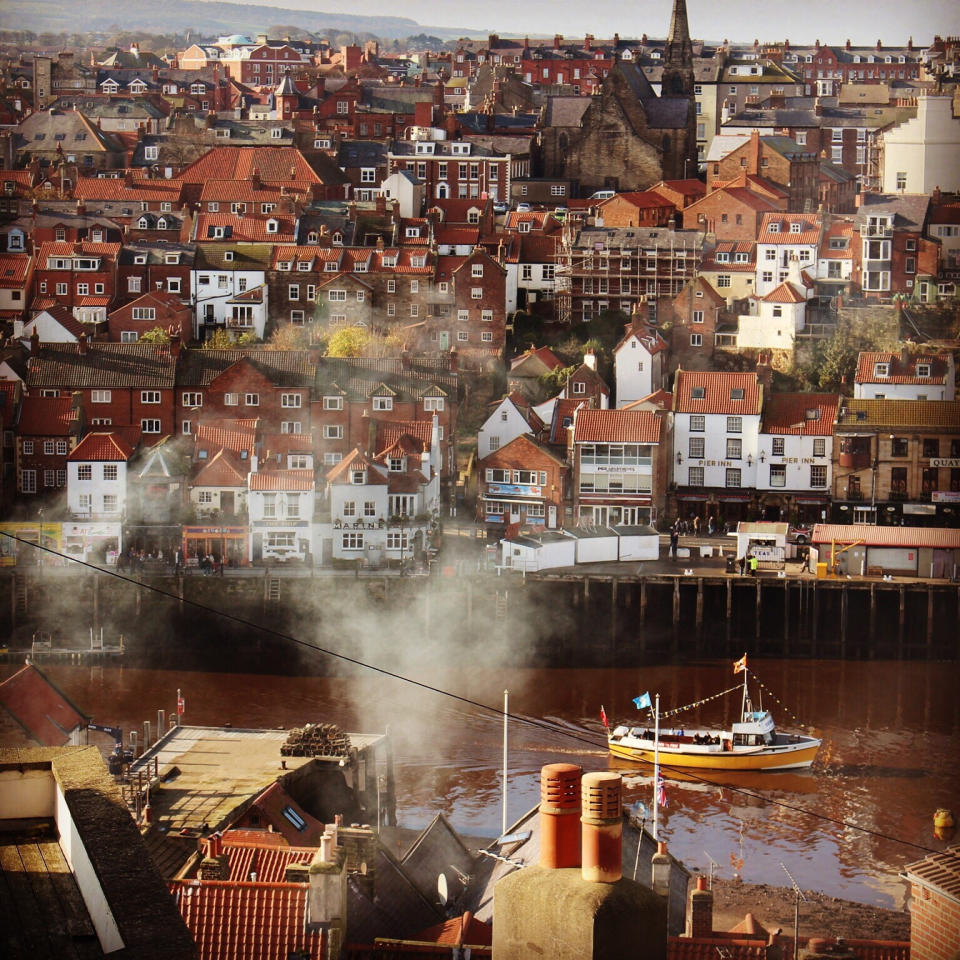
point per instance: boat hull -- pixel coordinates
(787, 757)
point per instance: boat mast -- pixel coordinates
(506, 716)
(743, 701)
(656, 766)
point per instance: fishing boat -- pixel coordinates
(753, 743)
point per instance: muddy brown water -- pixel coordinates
(891, 743)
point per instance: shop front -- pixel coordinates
(226, 545)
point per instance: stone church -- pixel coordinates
(629, 138)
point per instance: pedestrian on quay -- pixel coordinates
(743, 564)
(674, 540)
(754, 564)
(710, 527)
(696, 525)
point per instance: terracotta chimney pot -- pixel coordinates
(601, 827)
(559, 807)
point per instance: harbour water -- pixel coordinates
(891, 732)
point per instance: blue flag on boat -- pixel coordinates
(643, 701)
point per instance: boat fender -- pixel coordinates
(943, 818)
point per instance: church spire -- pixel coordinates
(678, 55)
(679, 31)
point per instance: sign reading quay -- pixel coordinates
(945, 461)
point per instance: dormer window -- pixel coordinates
(795, 227)
(923, 369)
(383, 403)
(396, 464)
(358, 477)
(737, 393)
(697, 393)
(881, 369)
(774, 228)
(273, 226)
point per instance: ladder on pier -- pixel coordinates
(272, 590)
(501, 608)
(20, 594)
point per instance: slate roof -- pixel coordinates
(617, 426)
(43, 710)
(787, 414)
(718, 388)
(238, 920)
(283, 368)
(899, 413)
(909, 210)
(357, 377)
(104, 365)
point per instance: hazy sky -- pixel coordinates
(863, 21)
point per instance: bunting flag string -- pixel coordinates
(698, 703)
(778, 701)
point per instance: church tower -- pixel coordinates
(678, 55)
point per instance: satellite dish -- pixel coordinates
(442, 888)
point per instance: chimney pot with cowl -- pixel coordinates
(559, 811)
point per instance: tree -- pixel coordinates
(290, 337)
(221, 340)
(156, 335)
(363, 342)
(556, 380)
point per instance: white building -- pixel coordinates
(638, 362)
(794, 469)
(509, 419)
(782, 237)
(280, 506)
(407, 190)
(776, 318)
(715, 442)
(891, 376)
(921, 154)
(228, 286)
(97, 477)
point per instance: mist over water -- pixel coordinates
(890, 732)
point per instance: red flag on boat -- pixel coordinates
(740, 664)
(603, 717)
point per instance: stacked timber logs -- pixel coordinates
(316, 740)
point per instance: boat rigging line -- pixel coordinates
(486, 708)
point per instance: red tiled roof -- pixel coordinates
(659, 398)
(252, 229)
(712, 948)
(786, 413)
(640, 199)
(785, 293)
(617, 426)
(939, 538)
(281, 164)
(140, 190)
(45, 416)
(562, 410)
(246, 191)
(235, 435)
(355, 460)
(240, 920)
(544, 354)
(296, 480)
(268, 859)
(809, 231)
(718, 387)
(939, 870)
(225, 469)
(39, 707)
(466, 929)
(14, 268)
(85, 248)
(110, 447)
(390, 431)
(900, 372)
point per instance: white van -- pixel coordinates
(603, 195)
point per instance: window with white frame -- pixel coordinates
(149, 396)
(292, 400)
(109, 503)
(696, 339)
(332, 431)
(435, 404)
(150, 426)
(351, 541)
(333, 403)
(732, 478)
(251, 399)
(291, 426)
(110, 471)
(383, 403)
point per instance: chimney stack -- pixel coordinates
(660, 870)
(590, 360)
(602, 827)
(559, 811)
(701, 910)
(82, 343)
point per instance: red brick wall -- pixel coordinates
(934, 926)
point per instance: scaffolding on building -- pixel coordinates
(603, 268)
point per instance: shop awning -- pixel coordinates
(732, 498)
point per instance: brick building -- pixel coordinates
(47, 429)
(895, 459)
(935, 905)
(522, 482)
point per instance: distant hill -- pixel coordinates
(107, 16)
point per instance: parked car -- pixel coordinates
(500, 206)
(560, 213)
(799, 534)
(523, 207)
